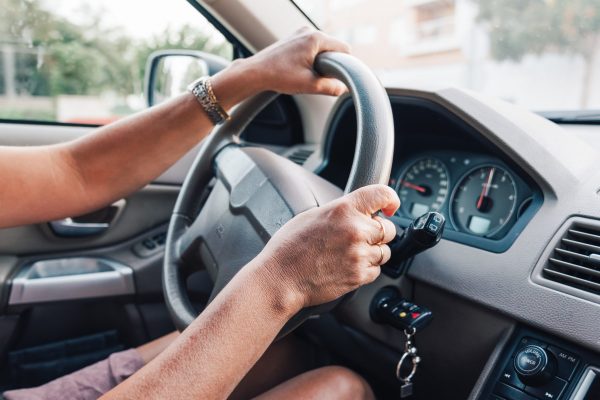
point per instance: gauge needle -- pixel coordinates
(418, 188)
(486, 188)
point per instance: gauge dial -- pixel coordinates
(484, 200)
(423, 187)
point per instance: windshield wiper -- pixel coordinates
(573, 117)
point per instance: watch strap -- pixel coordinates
(203, 92)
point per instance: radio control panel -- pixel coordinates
(536, 367)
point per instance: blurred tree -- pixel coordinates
(57, 56)
(53, 56)
(520, 27)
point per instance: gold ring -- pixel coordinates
(382, 254)
(378, 219)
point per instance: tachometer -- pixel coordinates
(484, 200)
(423, 187)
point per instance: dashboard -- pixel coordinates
(515, 189)
(441, 164)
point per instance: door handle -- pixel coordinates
(69, 227)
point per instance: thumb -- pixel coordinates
(370, 199)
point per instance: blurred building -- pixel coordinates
(439, 42)
(409, 33)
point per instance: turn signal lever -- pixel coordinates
(422, 234)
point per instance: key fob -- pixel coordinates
(389, 308)
(406, 315)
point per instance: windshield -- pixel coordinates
(540, 54)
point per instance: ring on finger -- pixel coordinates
(382, 254)
(378, 219)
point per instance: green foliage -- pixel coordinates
(520, 27)
(57, 56)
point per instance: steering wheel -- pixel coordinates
(254, 191)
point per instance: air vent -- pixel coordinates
(575, 260)
(299, 156)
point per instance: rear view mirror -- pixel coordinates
(168, 73)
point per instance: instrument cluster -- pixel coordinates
(479, 195)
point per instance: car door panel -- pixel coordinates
(136, 317)
(143, 210)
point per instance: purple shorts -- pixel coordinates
(88, 383)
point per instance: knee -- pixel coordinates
(348, 384)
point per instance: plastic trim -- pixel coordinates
(74, 278)
(585, 383)
(491, 363)
(241, 49)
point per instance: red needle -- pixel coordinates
(413, 186)
(486, 188)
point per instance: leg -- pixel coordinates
(283, 360)
(151, 349)
(323, 383)
(283, 364)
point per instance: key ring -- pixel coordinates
(409, 351)
(412, 353)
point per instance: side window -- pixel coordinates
(83, 61)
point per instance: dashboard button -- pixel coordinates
(509, 392)
(550, 391)
(530, 360)
(384, 305)
(509, 376)
(566, 362)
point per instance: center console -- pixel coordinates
(536, 366)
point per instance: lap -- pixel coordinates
(280, 373)
(331, 382)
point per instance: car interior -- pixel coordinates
(495, 273)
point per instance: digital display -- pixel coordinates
(479, 225)
(418, 209)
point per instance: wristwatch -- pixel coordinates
(203, 92)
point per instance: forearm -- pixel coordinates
(51, 182)
(214, 353)
(122, 157)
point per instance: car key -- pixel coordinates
(410, 352)
(388, 307)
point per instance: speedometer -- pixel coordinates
(484, 200)
(423, 187)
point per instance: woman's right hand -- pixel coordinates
(326, 252)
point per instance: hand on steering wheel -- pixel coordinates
(326, 252)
